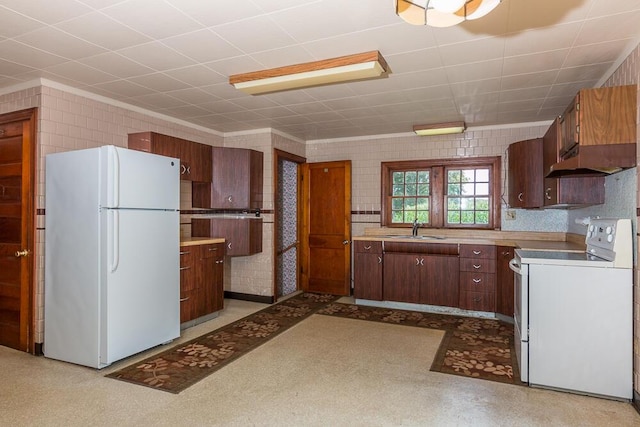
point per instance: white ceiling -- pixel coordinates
(521, 63)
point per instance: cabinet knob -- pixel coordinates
(547, 193)
(230, 199)
(189, 170)
(476, 266)
(229, 245)
(477, 252)
(520, 197)
(477, 280)
(184, 299)
(184, 268)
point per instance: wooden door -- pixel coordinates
(17, 161)
(326, 249)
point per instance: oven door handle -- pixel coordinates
(513, 265)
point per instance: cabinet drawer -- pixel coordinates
(477, 282)
(477, 251)
(480, 265)
(477, 301)
(367, 246)
(212, 251)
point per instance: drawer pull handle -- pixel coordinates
(477, 280)
(184, 299)
(477, 299)
(184, 268)
(219, 261)
(366, 248)
(185, 253)
(417, 261)
(379, 260)
(477, 252)
(476, 266)
(213, 249)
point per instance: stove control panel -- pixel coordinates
(610, 239)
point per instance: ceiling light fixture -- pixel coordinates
(336, 70)
(439, 128)
(443, 13)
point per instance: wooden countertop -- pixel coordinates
(191, 241)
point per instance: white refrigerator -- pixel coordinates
(112, 231)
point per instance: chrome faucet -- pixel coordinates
(416, 225)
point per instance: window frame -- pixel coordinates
(437, 208)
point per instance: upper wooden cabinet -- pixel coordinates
(236, 181)
(567, 191)
(598, 132)
(525, 174)
(195, 158)
(243, 236)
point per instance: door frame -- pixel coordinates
(277, 156)
(27, 289)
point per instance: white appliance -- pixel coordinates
(112, 278)
(574, 314)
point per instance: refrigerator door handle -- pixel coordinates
(115, 256)
(116, 178)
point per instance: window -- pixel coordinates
(451, 193)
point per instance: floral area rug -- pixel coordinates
(472, 347)
(185, 364)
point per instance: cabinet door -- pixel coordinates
(504, 279)
(188, 256)
(439, 280)
(200, 162)
(237, 174)
(525, 174)
(569, 129)
(401, 277)
(367, 276)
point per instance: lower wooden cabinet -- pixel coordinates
(504, 282)
(367, 270)
(477, 277)
(201, 280)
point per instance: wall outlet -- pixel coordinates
(510, 215)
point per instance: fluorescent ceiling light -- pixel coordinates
(439, 128)
(336, 70)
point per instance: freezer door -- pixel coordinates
(138, 180)
(140, 292)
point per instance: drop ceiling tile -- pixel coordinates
(13, 24)
(492, 25)
(81, 74)
(521, 81)
(202, 46)
(9, 69)
(535, 62)
(481, 71)
(473, 51)
(608, 7)
(28, 56)
(156, 19)
(211, 13)
(221, 107)
(185, 111)
(159, 82)
(424, 59)
(568, 90)
(274, 112)
(116, 64)
(47, 11)
(157, 56)
(615, 27)
(314, 107)
(59, 43)
(193, 96)
(475, 87)
(124, 88)
(254, 103)
(524, 15)
(103, 31)
(595, 53)
(521, 105)
(224, 91)
(264, 34)
(583, 73)
(161, 100)
(291, 97)
(197, 75)
(542, 39)
(528, 93)
(290, 55)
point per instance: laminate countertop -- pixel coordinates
(191, 241)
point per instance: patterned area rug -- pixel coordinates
(472, 347)
(185, 364)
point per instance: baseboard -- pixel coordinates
(265, 299)
(636, 401)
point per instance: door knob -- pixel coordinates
(23, 252)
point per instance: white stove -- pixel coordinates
(574, 314)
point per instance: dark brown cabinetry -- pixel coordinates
(243, 235)
(201, 280)
(367, 271)
(525, 174)
(237, 181)
(195, 158)
(504, 281)
(421, 273)
(568, 191)
(598, 132)
(477, 277)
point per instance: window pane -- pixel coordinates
(482, 203)
(466, 203)
(482, 189)
(397, 216)
(398, 177)
(423, 189)
(467, 217)
(468, 175)
(423, 177)
(453, 190)
(453, 203)
(453, 217)
(398, 190)
(411, 177)
(410, 189)
(396, 203)
(423, 217)
(468, 189)
(410, 203)
(482, 217)
(409, 216)
(453, 176)
(482, 175)
(423, 203)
